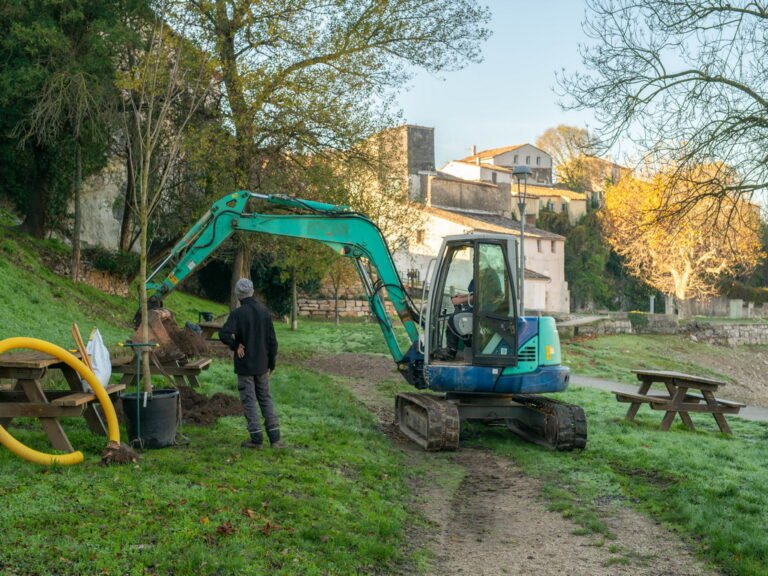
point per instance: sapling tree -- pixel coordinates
(163, 82)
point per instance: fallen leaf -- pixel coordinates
(226, 529)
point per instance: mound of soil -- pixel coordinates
(199, 410)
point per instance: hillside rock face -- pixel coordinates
(102, 206)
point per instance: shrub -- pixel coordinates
(119, 262)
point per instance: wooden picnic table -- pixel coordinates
(183, 373)
(26, 398)
(210, 328)
(679, 399)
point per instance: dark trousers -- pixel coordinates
(254, 395)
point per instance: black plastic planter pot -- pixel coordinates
(155, 423)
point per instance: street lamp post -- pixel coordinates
(521, 173)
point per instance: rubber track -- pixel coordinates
(553, 424)
(430, 421)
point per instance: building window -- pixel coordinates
(538, 160)
(420, 236)
(564, 207)
(515, 158)
(538, 245)
(553, 247)
(493, 177)
(527, 159)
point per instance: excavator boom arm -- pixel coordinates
(346, 232)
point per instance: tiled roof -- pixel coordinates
(561, 192)
(493, 152)
(490, 153)
(482, 222)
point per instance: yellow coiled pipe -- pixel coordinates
(31, 455)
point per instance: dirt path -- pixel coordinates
(486, 518)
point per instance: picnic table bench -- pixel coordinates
(679, 400)
(26, 397)
(183, 373)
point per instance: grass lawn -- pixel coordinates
(335, 503)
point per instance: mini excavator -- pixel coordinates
(505, 361)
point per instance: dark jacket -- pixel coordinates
(251, 326)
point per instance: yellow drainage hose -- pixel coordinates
(106, 403)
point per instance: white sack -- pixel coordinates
(100, 360)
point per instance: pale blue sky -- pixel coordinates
(508, 98)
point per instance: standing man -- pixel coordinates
(249, 333)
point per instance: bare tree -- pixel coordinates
(683, 79)
(569, 147)
(161, 92)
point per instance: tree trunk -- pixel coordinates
(125, 224)
(237, 101)
(241, 268)
(336, 304)
(144, 243)
(683, 308)
(237, 273)
(294, 305)
(78, 188)
(36, 210)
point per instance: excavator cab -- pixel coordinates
(482, 330)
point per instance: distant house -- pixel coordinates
(511, 157)
(561, 200)
(545, 290)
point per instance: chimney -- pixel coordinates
(474, 149)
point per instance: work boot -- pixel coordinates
(252, 445)
(278, 444)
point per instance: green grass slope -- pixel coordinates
(38, 303)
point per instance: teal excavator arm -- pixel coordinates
(348, 233)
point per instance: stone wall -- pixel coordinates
(600, 327)
(455, 193)
(731, 334)
(107, 283)
(325, 308)
(715, 334)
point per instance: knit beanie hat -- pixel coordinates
(243, 288)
